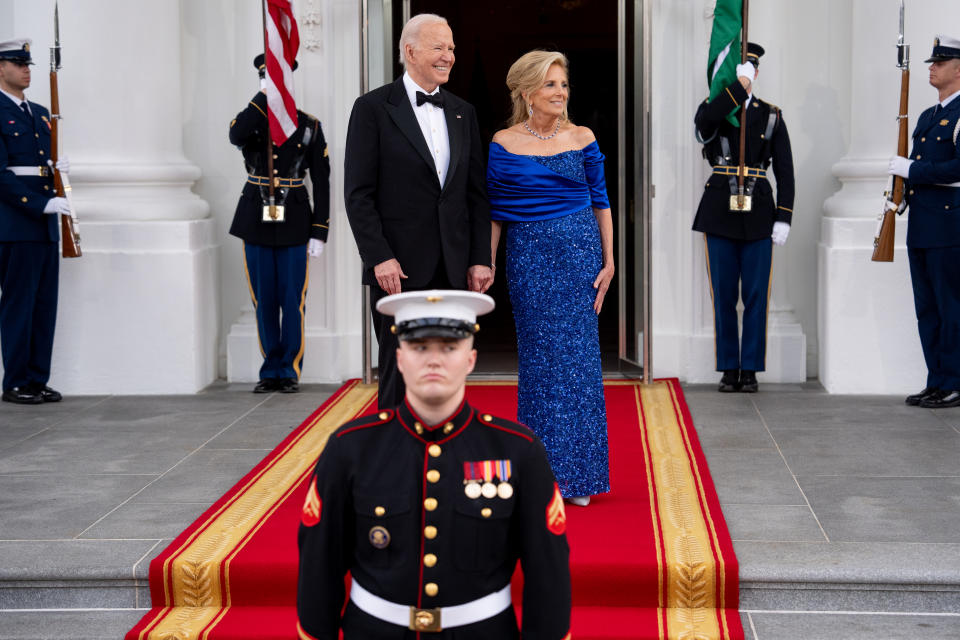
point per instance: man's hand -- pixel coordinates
(479, 278)
(57, 206)
(315, 248)
(63, 164)
(389, 274)
(900, 166)
(780, 232)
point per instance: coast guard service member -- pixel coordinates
(29, 231)
(933, 228)
(430, 505)
(275, 251)
(738, 243)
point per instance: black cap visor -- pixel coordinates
(435, 328)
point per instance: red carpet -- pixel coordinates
(651, 559)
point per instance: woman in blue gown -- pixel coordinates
(548, 194)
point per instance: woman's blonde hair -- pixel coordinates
(527, 75)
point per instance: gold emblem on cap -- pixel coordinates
(936, 41)
(380, 511)
(26, 47)
(434, 298)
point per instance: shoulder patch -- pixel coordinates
(507, 426)
(381, 417)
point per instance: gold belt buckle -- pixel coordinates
(427, 620)
(737, 205)
(44, 171)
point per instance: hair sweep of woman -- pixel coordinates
(548, 197)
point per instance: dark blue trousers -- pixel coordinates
(278, 278)
(29, 277)
(739, 267)
(936, 295)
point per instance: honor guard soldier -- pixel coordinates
(933, 228)
(430, 505)
(29, 231)
(276, 243)
(738, 240)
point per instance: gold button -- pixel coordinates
(430, 532)
(938, 138)
(40, 152)
(431, 589)
(299, 145)
(486, 512)
(946, 206)
(911, 191)
(447, 428)
(487, 417)
(434, 450)
(379, 511)
(418, 429)
(383, 415)
(918, 156)
(23, 199)
(429, 560)
(15, 134)
(36, 135)
(275, 156)
(924, 139)
(46, 188)
(433, 476)
(430, 504)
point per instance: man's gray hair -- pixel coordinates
(411, 31)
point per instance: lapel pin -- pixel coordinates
(458, 116)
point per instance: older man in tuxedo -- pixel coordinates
(414, 186)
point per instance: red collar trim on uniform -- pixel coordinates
(461, 417)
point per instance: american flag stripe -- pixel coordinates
(283, 42)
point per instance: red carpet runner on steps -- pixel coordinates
(651, 559)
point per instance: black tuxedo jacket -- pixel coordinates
(395, 203)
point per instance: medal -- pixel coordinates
(505, 490)
(379, 537)
(472, 489)
(489, 490)
(504, 471)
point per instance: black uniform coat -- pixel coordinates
(25, 142)
(395, 204)
(302, 221)
(382, 461)
(934, 219)
(714, 215)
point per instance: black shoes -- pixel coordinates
(748, 381)
(941, 399)
(915, 399)
(730, 381)
(32, 394)
(283, 385)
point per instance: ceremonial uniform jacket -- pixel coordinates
(714, 215)
(389, 478)
(25, 142)
(933, 189)
(305, 150)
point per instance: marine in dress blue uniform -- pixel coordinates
(29, 257)
(430, 519)
(275, 253)
(739, 243)
(933, 228)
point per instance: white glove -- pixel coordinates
(263, 84)
(889, 206)
(747, 70)
(63, 164)
(780, 232)
(57, 206)
(315, 248)
(900, 166)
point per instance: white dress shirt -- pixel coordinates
(948, 99)
(433, 124)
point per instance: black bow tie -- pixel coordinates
(436, 99)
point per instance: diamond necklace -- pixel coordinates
(534, 133)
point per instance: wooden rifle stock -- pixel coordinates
(68, 231)
(883, 242)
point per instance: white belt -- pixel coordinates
(952, 184)
(430, 619)
(30, 171)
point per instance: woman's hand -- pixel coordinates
(601, 284)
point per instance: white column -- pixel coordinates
(327, 82)
(138, 311)
(867, 325)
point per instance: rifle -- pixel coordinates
(69, 229)
(886, 227)
(741, 202)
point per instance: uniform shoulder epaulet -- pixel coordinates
(363, 422)
(508, 426)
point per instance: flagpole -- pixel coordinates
(743, 111)
(270, 177)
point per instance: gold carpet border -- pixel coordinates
(654, 516)
(691, 573)
(199, 598)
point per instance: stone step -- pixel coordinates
(59, 624)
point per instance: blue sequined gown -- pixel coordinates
(553, 256)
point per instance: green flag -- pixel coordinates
(725, 49)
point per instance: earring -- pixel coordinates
(530, 109)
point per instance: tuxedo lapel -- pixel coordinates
(398, 106)
(455, 124)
